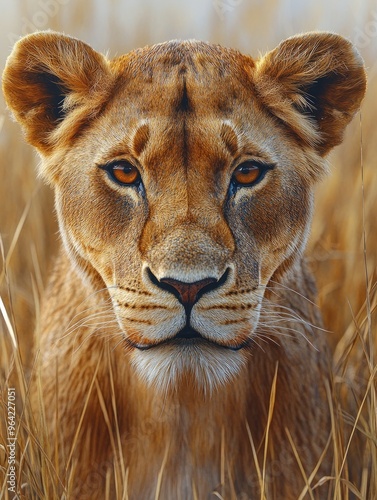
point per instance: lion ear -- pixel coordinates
(53, 84)
(314, 83)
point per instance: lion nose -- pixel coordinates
(189, 293)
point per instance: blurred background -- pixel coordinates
(343, 246)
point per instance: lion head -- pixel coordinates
(183, 177)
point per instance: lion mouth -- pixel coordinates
(188, 337)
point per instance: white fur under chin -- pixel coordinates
(163, 368)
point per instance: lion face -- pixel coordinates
(187, 205)
(184, 187)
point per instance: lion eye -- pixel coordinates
(248, 173)
(123, 173)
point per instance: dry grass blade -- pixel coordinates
(365, 254)
(79, 426)
(120, 483)
(16, 237)
(371, 384)
(8, 323)
(222, 462)
(266, 442)
(255, 456)
(161, 472)
(308, 489)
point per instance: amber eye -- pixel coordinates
(248, 173)
(123, 173)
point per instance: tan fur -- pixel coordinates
(186, 114)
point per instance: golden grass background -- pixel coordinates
(343, 246)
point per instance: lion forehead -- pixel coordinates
(200, 57)
(183, 77)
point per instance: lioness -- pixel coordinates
(181, 351)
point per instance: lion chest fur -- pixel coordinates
(181, 350)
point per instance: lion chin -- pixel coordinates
(205, 365)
